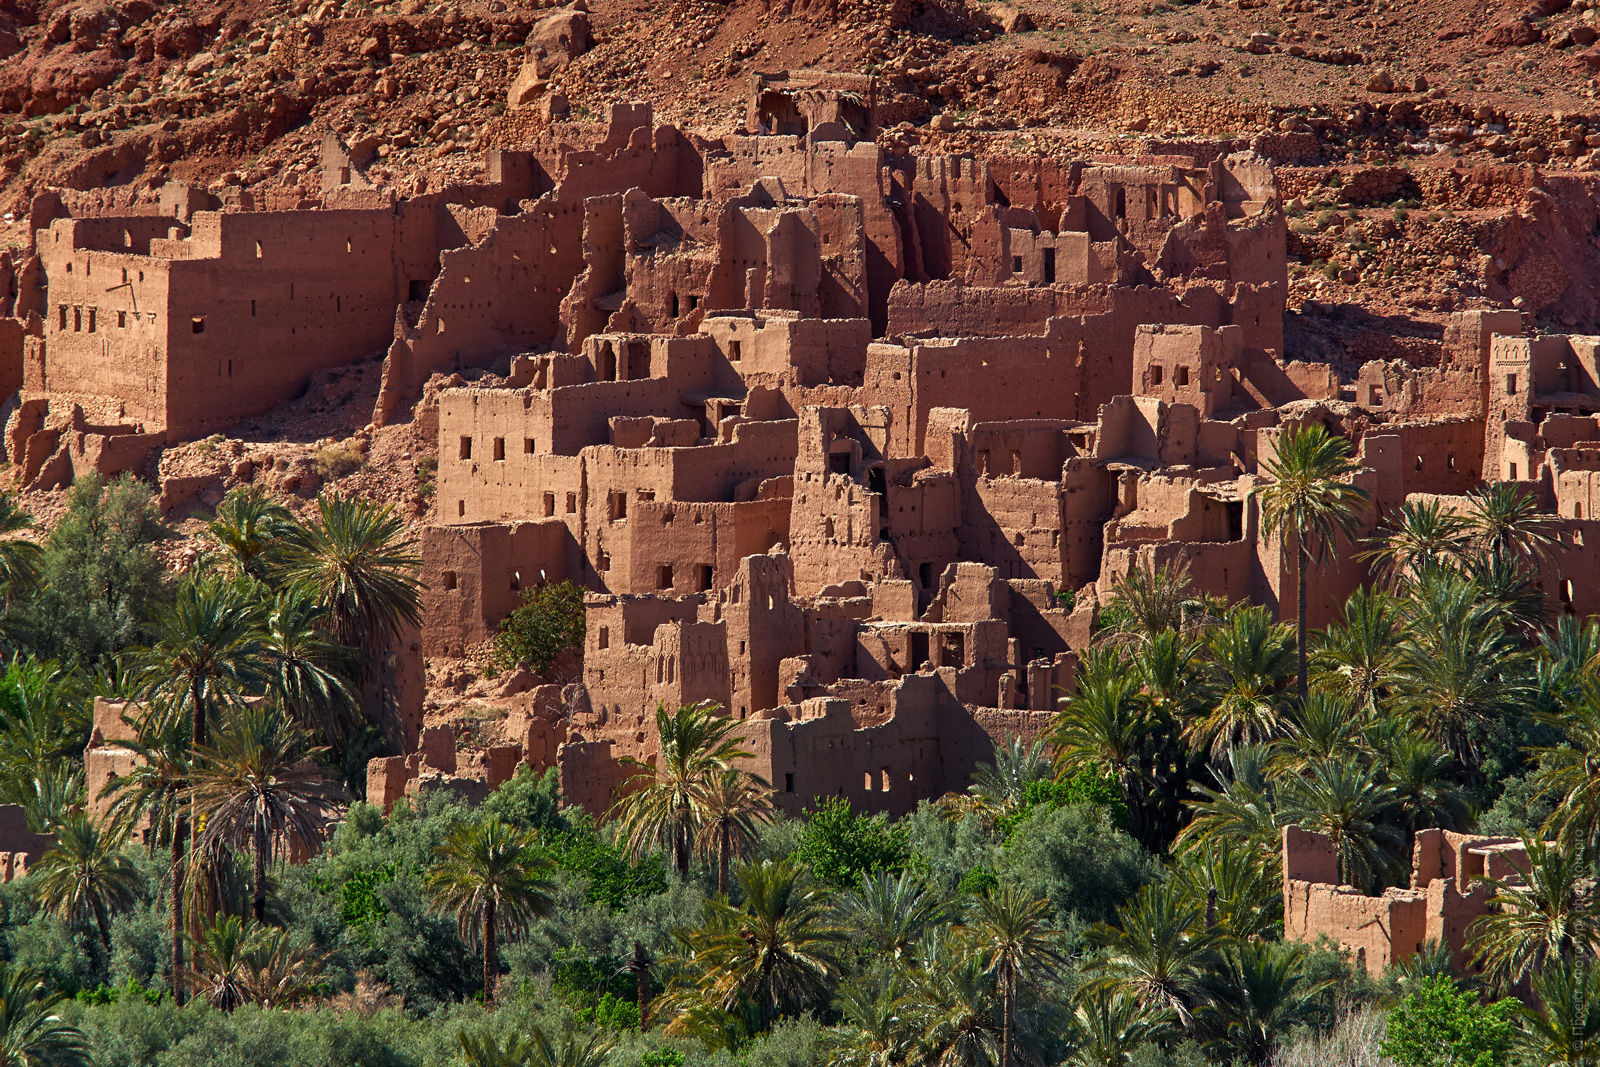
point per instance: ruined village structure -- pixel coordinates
(848, 440)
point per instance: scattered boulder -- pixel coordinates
(1012, 19)
(1513, 33)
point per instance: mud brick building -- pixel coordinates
(851, 440)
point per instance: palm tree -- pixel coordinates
(1461, 672)
(220, 973)
(1508, 585)
(569, 1050)
(1420, 537)
(1421, 775)
(1256, 992)
(486, 1050)
(44, 726)
(1241, 813)
(156, 790)
(85, 877)
(489, 875)
(774, 953)
(1551, 914)
(208, 652)
(1171, 673)
(1307, 505)
(1570, 771)
(952, 1004)
(887, 914)
(997, 788)
(1158, 951)
(1504, 520)
(1324, 728)
(1149, 600)
(1011, 933)
(1346, 802)
(20, 560)
(304, 670)
(1240, 896)
(1357, 655)
(1108, 1027)
(280, 974)
(732, 803)
(1250, 657)
(1103, 729)
(664, 805)
(31, 1033)
(874, 1030)
(248, 528)
(260, 786)
(1565, 1027)
(359, 563)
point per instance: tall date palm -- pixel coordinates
(1308, 504)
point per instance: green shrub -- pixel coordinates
(841, 846)
(336, 461)
(1077, 858)
(548, 623)
(1441, 1024)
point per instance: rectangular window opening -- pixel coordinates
(466, 447)
(500, 449)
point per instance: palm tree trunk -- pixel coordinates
(1300, 622)
(198, 731)
(488, 953)
(259, 847)
(722, 860)
(1005, 1023)
(105, 927)
(640, 965)
(681, 844)
(179, 833)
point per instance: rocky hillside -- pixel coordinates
(1435, 154)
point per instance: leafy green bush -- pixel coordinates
(840, 846)
(101, 579)
(548, 623)
(1441, 1024)
(1078, 859)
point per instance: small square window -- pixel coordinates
(527, 446)
(198, 324)
(1180, 377)
(1155, 374)
(449, 579)
(664, 576)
